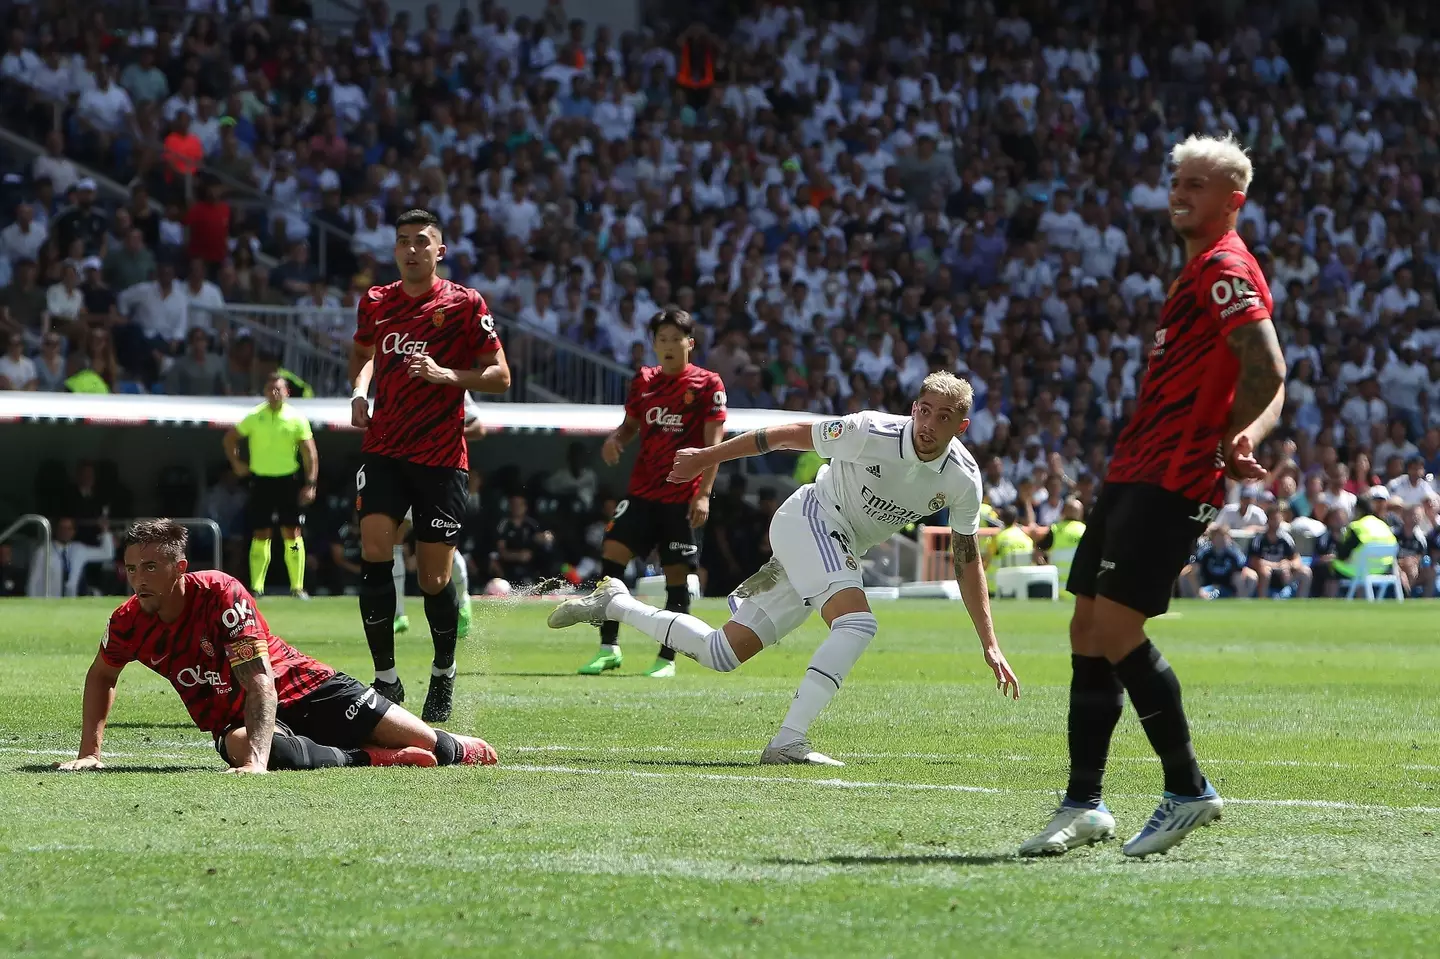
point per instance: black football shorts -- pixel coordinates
(641, 525)
(1137, 539)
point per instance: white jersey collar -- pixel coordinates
(908, 454)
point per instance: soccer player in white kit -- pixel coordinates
(885, 473)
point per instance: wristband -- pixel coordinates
(358, 395)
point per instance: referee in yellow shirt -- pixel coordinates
(280, 444)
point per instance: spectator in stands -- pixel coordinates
(576, 479)
(1280, 572)
(50, 370)
(17, 371)
(66, 559)
(64, 301)
(1417, 572)
(523, 550)
(23, 304)
(82, 221)
(1245, 514)
(197, 372)
(1218, 569)
(23, 238)
(129, 264)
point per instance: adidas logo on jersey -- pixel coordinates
(873, 470)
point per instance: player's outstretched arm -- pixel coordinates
(1259, 395)
(690, 463)
(99, 697)
(970, 574)
(258, 681)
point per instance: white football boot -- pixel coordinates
(587, 609)
(1069, 828)
(1175, 818)
(799, 753)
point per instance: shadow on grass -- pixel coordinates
(116, 770)
(689, 763)
(149, 725)
(931, 859)
(570, 675)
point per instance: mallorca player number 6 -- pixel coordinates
(359, 479)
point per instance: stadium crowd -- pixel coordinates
(845, 200)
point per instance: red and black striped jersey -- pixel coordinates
(1174, 439)
(672, 411)
(219, 627)
(414, 420)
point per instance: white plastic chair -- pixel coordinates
(1013, 582)
(1372, 557)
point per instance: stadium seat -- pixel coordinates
(1372, 557)
(1016, 582)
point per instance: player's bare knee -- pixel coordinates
(616, 552)
(852, 599)
(745, 643)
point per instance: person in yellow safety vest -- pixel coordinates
(807, 467)
(1060, 540)
(1365, 530)
(1010, 541)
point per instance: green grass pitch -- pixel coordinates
(628, 816)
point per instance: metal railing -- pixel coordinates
(314, 343)
(217, 539)
(550, 369)
(45, 538)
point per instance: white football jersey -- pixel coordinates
(875, 484)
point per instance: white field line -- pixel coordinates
(823, 783)
(939, 787)
(975, 757)
(192, 744)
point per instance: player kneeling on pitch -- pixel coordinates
(268, 705)
(886, 472)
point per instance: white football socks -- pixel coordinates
(460, 576)
(682, 632)
(832, 662)
(397, 573)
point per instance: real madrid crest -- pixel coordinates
(439, 318)
(850, 562)
(938, 503)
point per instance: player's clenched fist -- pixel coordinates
(688, 465)
(81, 764)
(422, 366)
(360, 413)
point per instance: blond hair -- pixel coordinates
(1225, 155)
(948, 386)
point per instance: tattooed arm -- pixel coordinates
(690, 463)
(1260, 388)
(255, 677)
(970, 574)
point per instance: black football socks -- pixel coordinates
(610, 629)
(677, 600)
(1097, 700)
(444, 617)
(1155, 693)
(377, 612)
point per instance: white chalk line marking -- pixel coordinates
(831, 783)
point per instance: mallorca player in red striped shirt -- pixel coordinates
(425, 342)
(268, 705)
(673, 406)
(1213, 390)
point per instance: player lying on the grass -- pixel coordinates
(268, 705)
(885, 472)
